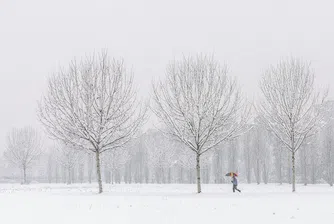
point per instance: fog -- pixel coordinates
(36, 37)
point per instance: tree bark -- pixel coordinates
(98, 171)
(198, 169)
(293, 172)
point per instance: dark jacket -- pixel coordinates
(234, 181)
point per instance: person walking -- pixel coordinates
(235, 183)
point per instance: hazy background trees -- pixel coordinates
(68, 157)
(136, 168)
(23, 149)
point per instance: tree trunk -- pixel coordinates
(293, 172)
(303, 164)
(89, 177)
(169, 175)
(289, 170)
(106, 175)
(81, 173)
(181, 176)
(69, 176)
(56, 169)
(330, 165)
(280, 179)
(63, 173)
(147, 175)
(50, 171)
(162, 171)
(98, 171)
(265, 173)
(258, 171)
(313, 178)
(278, 165)
(89, 167)
(24, 175)
(248, 169)
(198, 169)
(305, 174)
(73, 176)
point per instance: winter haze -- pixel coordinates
(145, 176)
(39, 36)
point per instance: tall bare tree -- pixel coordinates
(92, 105)
(23, 149)
(289, 105)
(199, 105)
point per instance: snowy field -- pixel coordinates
(159, 204)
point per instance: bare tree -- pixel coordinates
(161, 152)
(23, 149)
(93, 106)
(289, 105)
(67, 156)
(247, 156)
(199, 104)
(328, 154)
(114, 160)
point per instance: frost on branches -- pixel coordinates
(290, 105)
(23, 149)
(92, 105)
(199, 105)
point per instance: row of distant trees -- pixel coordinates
(91, 109)
(151, 157)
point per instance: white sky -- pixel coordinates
(36, 36)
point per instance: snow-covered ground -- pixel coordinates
(159, 204)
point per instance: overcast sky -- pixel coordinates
(37, 36)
